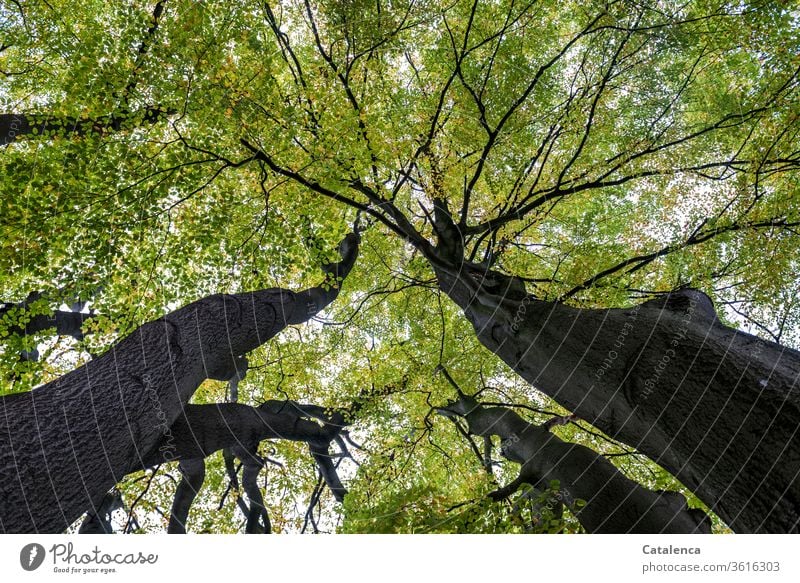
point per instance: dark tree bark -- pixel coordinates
(200, 430)
(716, 407)
(99, 521)
(613, 503)
(65, 323)
(193, 474)
(238, 429)
(257, 517)
(65, 444)
(16, 125)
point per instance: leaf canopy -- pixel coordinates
(600, 150)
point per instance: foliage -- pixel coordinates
(601, 150)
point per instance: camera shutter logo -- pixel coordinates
(31, 556)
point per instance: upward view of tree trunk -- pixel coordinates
(67, 443)
(715, 406)
(586, 210)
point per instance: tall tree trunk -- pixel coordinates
(65, 444)
(716, 407)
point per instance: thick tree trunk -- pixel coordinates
(716, 407)
(65, 444)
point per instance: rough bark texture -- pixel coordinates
(613, 503)
(65, 444)
(716, 407)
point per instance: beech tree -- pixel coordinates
(574, 306)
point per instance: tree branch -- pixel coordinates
(599, 495)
